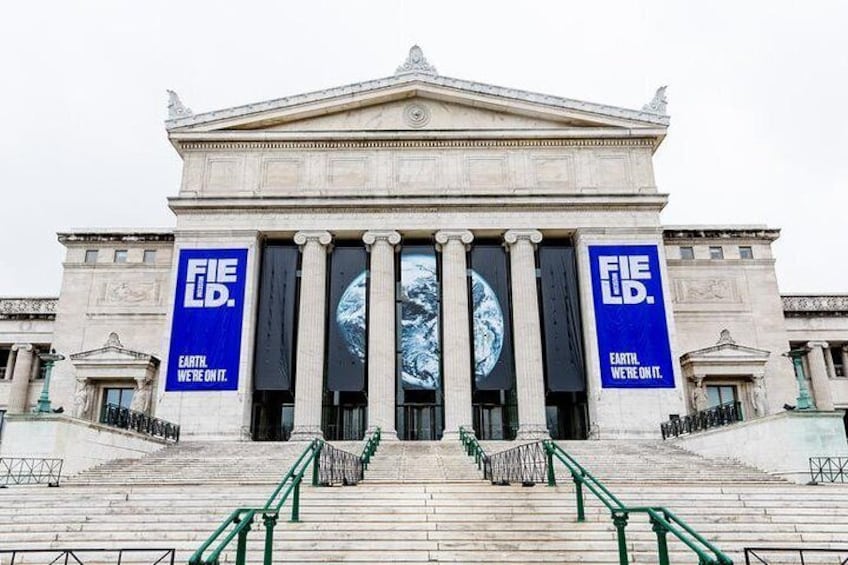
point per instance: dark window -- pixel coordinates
(91, 256)
(120, 256)
(716, 253)
(118, 396)
(149, 256)
(5, 353)
(745, 252)
(2, 418)
(835, 353)
(687, 253)
(720, 394)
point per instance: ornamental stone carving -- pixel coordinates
(416, 63)
(176, 108)
(658, 104)
(416, 115)
(706, 290)
(822, 305)
(512, 237)
(28, 308)
(142, 395)
(463, 236)
(83, 399)
(130, 292)
(758, 396)
(322, 237)
(699, 395)
(371, 237)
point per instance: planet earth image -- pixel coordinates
(419, 324)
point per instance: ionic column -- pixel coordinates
(456, 331)
(20, 378)
(381, 331)
(527, 334)
(309, 376)
(818, 375)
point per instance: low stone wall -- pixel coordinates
(80, 443)
(781, 444)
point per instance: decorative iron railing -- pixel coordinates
(829, 469)
(721, 415)
(124, 418)
(238, 524)
(137, 556)
(526, 464)
(796, 555)
(30, 471)
(271, 433)
(338, 467)
(663, 521)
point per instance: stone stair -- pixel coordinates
(421, 502)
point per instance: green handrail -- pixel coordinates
(475, 450)
(370, 448)
(663, 521)
(237, 525)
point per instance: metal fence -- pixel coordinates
(127, 419)
(87, 556)
(336, 466)
(829, 469)
(30, 471)
(796, 556)
(717, 416)
(526, 464)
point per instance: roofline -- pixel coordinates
(116, 234)
(751, 231)
(425, 78)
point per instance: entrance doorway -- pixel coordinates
(420, 415)
(345, 416)
(273, 415)
(567, 415)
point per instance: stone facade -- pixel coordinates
(421, 157)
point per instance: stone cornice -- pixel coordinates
(592, 202)
(253, 142)
(116, 235)
(412, 79)
(28, 308)
(673, 233)
(808, 305)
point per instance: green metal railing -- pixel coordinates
(663, 521)
(238, 524)
(475, 450)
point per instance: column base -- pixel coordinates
(453, 435)
(306, 433)
(385, 435)
(532, 432)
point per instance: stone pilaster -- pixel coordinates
(381, 331)
(828, 361)
(845, 360)
(309, 377)
(818, 375)
(456, 331)
(527, 334)
(10, 364)
(20, 378)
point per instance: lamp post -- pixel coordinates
(43, 406)
(804, 400)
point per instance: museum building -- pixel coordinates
(422, 253)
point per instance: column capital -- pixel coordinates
(22, 347)
(817, 344)
(304, 237)
(391, 237)
(511, 237)
(463, 236)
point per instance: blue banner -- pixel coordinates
(630, 317)
(208, 310)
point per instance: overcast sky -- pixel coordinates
(757, 96)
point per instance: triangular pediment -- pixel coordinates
(726, 350)
(417, 102)
(113, 352)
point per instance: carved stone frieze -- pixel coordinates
(133, 293)
(833, 305)
(28, 308)
(701, 291)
